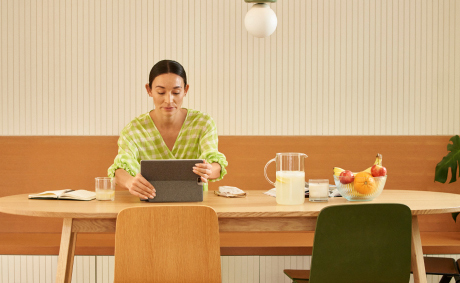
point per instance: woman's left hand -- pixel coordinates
(203, 170)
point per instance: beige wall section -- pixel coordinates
(332, 67)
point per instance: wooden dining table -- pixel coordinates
(255, 212)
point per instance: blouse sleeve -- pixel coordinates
(127, 158)
(209, 148)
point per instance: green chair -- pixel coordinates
(360, 243)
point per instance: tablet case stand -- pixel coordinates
(174, 180)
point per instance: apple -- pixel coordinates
(346, 177)
(378, 171)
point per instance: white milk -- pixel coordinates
(318, 191)
(105, 194)
(290, 187)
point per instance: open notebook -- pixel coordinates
(65, 194)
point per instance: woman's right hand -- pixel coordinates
(140, 187)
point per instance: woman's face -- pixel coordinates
(168, 92)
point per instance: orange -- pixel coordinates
(364, 183)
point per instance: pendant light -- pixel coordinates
(260, 20)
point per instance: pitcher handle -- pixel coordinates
(265, 172)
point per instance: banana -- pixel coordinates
(337, 171)
(368, 170)
(378, 159)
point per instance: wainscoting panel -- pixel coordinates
(27, 269)
(332, 67)
(85, 270)
(244, 269)
(271, 267)
(100, 269)
(105, 269)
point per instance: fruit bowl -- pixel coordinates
(366, 188)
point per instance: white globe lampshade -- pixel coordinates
(260, 20)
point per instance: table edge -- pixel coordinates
(233, 214)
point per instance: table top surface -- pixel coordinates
(256, 204)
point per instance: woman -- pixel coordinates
(167, 132)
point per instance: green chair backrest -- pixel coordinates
(362, 243)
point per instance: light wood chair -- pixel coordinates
(167, 244)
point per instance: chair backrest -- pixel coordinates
(362, 243)
(167, 244)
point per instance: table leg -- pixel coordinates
(66, 252)
(418, 265)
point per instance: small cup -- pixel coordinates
(105, 188)
(318, 190)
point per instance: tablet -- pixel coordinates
(173, 179)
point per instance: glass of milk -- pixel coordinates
(318, 189)
(290, 178)
(105, 188)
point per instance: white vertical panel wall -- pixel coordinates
(332, 67)
(100, 269)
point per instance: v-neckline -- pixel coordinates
(170, 151)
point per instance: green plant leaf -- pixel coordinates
(451, 160)
(454, 216)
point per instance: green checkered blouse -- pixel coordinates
(141, 140)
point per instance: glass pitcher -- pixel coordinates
(290, 178)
